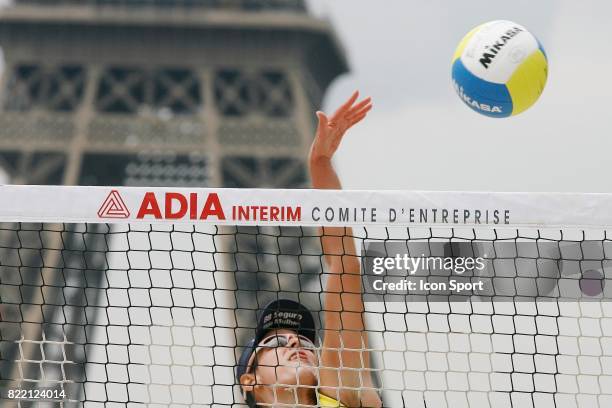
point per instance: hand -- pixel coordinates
(331, 129)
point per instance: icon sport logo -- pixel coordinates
(113, 207)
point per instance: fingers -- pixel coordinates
(357, 119)
(362, 107)
(347, 105)
(364, 103)
(323, 120)
(321, 115)
(365, 109)
(346, 116)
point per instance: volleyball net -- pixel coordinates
(130, 297)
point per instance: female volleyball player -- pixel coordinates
(280, 366)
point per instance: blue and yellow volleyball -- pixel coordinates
(499, 69)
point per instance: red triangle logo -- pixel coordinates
(113, 207)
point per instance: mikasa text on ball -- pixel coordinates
(499, 69)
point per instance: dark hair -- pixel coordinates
(249, 398)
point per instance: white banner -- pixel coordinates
(67, 204)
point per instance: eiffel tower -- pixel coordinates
(217, 93)
(185, 92)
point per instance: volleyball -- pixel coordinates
(499, 69)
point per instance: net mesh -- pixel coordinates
(156, 315)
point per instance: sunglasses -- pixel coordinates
(274, 341)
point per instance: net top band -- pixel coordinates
(304, 207)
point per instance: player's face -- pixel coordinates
(285, 358)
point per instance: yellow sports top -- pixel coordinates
(325, 401)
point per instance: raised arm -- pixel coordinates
(344, 335)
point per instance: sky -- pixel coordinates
(420, 136)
